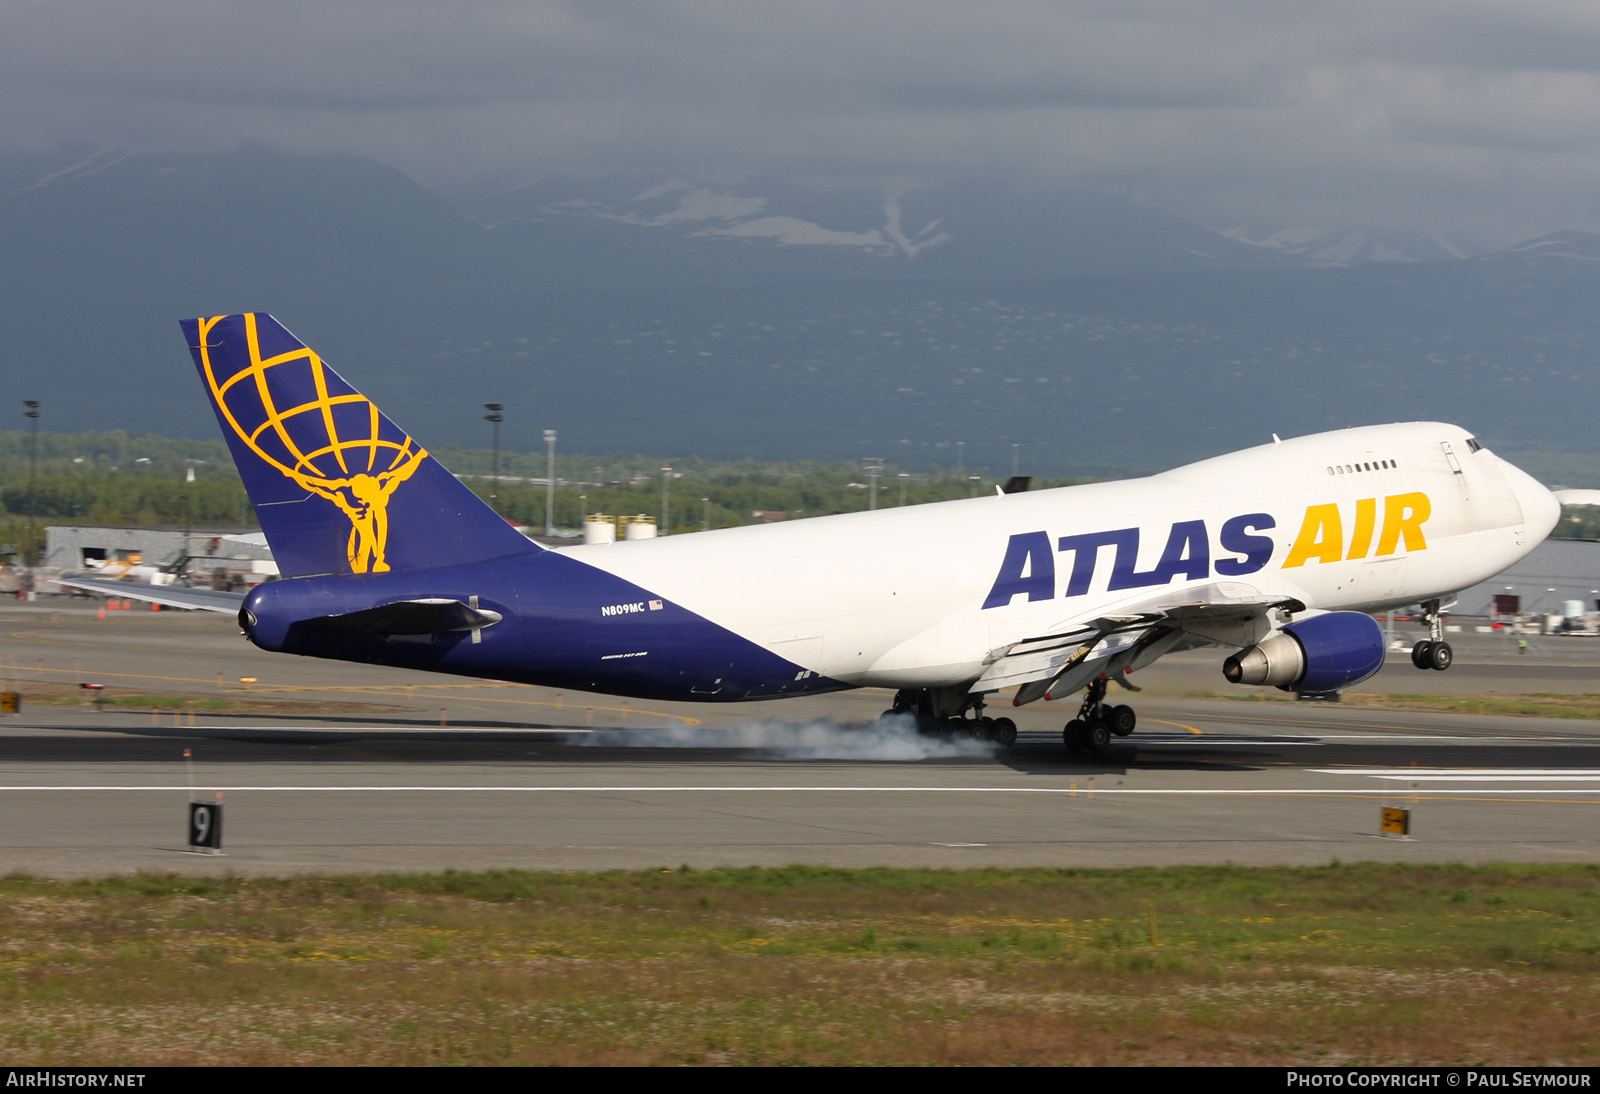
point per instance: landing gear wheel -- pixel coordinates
(1092, 729)
(1435, 653)
(1121, 720)
(1422, 654)
(1098, 737)
(1004, 732)
(1075, 735)
(1441, 656)
(981, 729)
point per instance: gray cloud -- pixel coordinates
(1477, 117)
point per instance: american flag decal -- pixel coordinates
(655, 605)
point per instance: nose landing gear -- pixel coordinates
(1433, 652)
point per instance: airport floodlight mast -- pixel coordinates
(496, 417)
(666, 476)
(904, 476)
(550, 483)
(705, 523)
(33, 466)
(1014, 447)
(873, 466)
(188, 515)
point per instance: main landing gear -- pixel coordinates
(953, 712)
(1433, 652)
(1097, 722)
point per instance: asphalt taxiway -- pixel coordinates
(324, 766)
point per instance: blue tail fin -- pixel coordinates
(337, 486)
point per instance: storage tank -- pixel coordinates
(599, 528)
(640, 526)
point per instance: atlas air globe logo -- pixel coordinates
(299, 418)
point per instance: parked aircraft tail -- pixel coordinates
(338, 487)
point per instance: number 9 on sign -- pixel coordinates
(205, 825)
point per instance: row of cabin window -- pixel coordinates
(1351, 469)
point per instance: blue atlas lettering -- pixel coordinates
(1029, 567)
(1255, 549)
(1086, 550)
(1188, 552)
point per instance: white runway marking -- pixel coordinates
(1319, 738)
(1485, 774)
(1080, 791)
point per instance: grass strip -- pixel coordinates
(235, 701)
(1342, 964)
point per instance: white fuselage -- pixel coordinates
(920, 597)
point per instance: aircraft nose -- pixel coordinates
(1540, 509)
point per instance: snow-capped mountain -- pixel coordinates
(1555, 249)
(1323, 246)
(779, 318)
(767, 229)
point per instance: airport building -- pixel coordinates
(1559, 574)
(219, 556)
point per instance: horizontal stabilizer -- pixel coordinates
(169, 596)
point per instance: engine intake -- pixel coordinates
(1323, 653)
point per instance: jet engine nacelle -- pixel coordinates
(1323, 653)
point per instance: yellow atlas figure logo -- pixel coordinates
(309, 442)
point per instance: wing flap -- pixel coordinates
(1058, 664)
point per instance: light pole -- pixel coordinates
(873, 467)
(961, 459)
(33, 465)
(495, 416)
(705, 523)
(666, 476)
(972, 487)
(904, 475)
(1014, 447)
(550, 483)
(188, 514)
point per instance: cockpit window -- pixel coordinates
(1473, 445)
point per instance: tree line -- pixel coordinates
(115, 478)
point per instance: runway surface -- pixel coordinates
(347, 768)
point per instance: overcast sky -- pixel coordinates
(1455, 115)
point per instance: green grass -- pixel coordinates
(237, 701)
(1356, 963)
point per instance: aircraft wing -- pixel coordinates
(1057, 664)
(170, 596)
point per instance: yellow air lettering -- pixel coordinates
(1403, 515)
(1366, 519)
(1321, 537)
